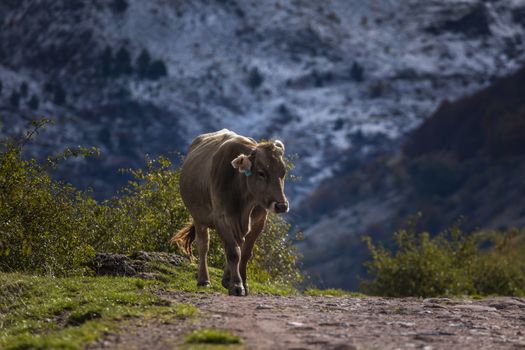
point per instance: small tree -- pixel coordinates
(157, 69)
(119, 6)
(59, 96)
(34, 102)
(357, 72)
(106, 62)
(123, 62)
(255, 78)
(15, 99)
(24, 90)
(143, 62)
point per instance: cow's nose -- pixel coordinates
(281, 207)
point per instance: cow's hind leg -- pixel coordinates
(258, 219)
(203, 245)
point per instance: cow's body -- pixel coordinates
(228, 182)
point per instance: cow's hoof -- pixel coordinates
(237, 290)
(204, 284)
(226, 283)
(246, 290)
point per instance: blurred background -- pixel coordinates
(395, 110)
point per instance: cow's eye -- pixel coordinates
(261, 174)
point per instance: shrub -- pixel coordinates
(122, 62)
(451, 263)
(147, 213)
(119, 6)
(255, 78)
(14, 99)
(24, 89)
(48, 226)
(156, 70)
(44, 224)
(33, 102)
(106, 62)
(143, 62)
(275, 257)
(59, 95)
(357, 72)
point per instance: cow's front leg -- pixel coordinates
(233, 256)
(258, 216)
(231, 235)
(226, 276)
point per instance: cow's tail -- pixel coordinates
(184, 238)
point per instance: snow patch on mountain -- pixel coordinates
(315, 74)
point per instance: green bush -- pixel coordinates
(145, 214)
(274, 255)
(45, 225)
(451, 263)
(48, 226)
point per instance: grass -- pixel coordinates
(39, 312)
(212, 336)
(45, 313)
(184, 280)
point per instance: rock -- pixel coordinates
(300, 326)
(474, 307)
(406, 324)
(131, 265)
(113, 264)
(168, 258)
(447, 301)
(334, 324)
(344, 347)
(506, 303)
(435, 306)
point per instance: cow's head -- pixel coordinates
(264, 170)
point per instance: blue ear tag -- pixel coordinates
(248, 172)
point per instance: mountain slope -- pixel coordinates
(465, 162)
(135, 77)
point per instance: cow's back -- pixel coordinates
(196, 173)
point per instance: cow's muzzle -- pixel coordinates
(280, 207)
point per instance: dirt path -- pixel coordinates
(272, 322)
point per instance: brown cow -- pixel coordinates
(229, 182)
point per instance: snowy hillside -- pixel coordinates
(318, 75)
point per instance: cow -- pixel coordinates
(229, 183)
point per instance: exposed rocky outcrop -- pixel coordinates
(137, 264)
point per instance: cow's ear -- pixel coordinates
(279, 144)
(243, 163)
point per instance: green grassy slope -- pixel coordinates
(65, 313)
